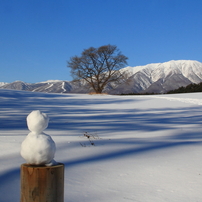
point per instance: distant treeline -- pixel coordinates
(139, 93)
(191, 88)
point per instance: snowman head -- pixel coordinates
(37, 121)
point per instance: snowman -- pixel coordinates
(38, 148)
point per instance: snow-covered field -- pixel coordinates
(143, 149)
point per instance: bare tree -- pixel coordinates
(98, 66)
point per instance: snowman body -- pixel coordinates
(38, 148)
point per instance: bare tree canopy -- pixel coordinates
(98, 66)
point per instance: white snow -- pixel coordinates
(146, 148)
(2, 83)
(190, 69)
(63, 87)
(37, 121)
(38, 148)
(49, 86)
(51, 81)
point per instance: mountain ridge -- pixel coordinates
(150, 78)
(162, 77)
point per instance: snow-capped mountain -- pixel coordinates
(17, 85)
(2, 83)
(151, 78)
(54, 86)
(161, 77)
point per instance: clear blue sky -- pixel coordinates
(39, 36)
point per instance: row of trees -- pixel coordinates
(188, 89)
(99, 67)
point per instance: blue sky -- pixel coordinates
(38, 37)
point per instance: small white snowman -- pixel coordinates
(38, 148)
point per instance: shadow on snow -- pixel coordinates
(74, 113)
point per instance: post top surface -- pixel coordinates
(42, 166)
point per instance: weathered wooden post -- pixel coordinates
(42, 183)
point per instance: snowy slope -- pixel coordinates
(147, 148)
(16, 85)
(188, 68)
(2, 83)
(52, 87)
(162, 77)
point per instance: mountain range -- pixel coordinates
(151, 78)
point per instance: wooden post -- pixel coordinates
(42, 183)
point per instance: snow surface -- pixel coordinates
(145, 148)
